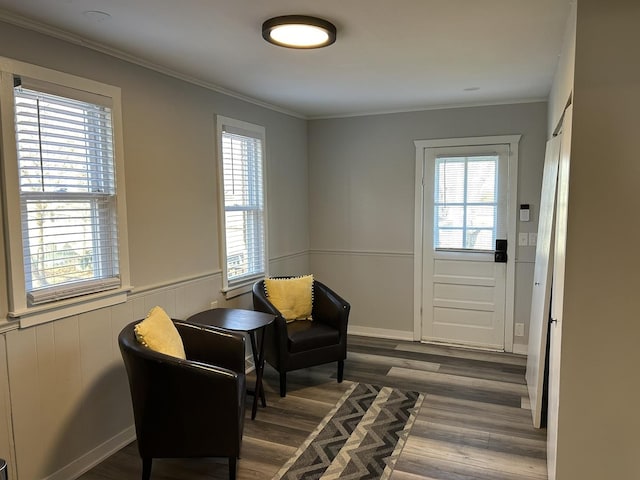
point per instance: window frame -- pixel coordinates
(65, 85)
(243, 285)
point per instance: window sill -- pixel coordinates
(239, 289)
(32, 316)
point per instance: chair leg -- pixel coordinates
(146, 468)
(340, 370)
(232, 467)
(283, 384)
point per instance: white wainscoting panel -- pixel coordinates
(6, 437)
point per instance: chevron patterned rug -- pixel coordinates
(361, 438)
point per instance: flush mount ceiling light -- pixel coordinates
(97, 16)
(299, 31)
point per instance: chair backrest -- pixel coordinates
(261, 302)
(182, 408)
(324, 300)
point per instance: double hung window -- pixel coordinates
(63, 190)
(241, 167)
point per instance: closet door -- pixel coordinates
(555, 329)
(540, 299)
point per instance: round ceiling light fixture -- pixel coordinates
(299, 31)
(97, 16)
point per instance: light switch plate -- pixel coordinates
(523, 239)
(533, 238)
(519, 330)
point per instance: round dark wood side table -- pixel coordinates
(240, 320)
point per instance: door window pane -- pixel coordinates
(465, 202)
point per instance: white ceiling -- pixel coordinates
(390, 55)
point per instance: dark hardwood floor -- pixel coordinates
(474, 422)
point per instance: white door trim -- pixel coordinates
(421, 146)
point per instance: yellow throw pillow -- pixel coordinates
(293, 297)
(158, 332)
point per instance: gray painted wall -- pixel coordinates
(362, 173)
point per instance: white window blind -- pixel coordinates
(466, 202)
(243, 187)
(67, 195)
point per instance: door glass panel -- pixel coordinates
(481, 216)
(465, 202)
(449, 238)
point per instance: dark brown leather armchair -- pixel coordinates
(302, 344)
(187, 408)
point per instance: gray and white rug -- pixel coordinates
(361, 438)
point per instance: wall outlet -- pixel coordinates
(533, 239)
(523, 239)
(519, 330)
(213, 304)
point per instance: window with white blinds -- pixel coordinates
(67, 195)
(466, 202)
(63, 189)
(242, 186)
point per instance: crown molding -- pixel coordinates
(451, 106)
(60, 34)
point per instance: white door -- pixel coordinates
(559, 257)
(540, 298)
(466, 209)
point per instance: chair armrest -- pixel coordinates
(330, 308)
(213, 346)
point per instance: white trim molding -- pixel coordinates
(520, 349)
(361, 253)
(178, 282)
(288, 256)
(380, 333)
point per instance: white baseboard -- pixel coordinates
(95, 456)
(520, 349)
(380, 333)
